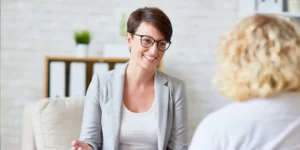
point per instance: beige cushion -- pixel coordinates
(56, 122)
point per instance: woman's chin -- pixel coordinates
(148, 66)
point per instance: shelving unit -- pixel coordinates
(248, 7)
(56, 73)
(275, 7)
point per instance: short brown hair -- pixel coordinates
(152, 15)
(258, 58)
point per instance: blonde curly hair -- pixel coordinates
(258, 58)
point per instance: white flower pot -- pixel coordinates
(293, 6)
(81, 50)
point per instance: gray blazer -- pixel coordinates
(103, 107)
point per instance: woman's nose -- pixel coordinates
(153, 49)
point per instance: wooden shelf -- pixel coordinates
(86, 59)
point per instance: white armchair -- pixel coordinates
(51, 124)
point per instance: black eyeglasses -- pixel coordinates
(148, 41)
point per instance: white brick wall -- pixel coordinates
(31, 29)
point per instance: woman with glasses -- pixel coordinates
(259, 67)
(137, 107)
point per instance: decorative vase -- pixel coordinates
(293, 6)
(81, 50)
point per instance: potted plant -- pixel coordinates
(82, 41)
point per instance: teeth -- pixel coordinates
(149, 57)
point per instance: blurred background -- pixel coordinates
(34, 31)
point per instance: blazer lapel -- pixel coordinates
(116, 94)
(161, 91)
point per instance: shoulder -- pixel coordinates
(222, 117)
(235, 118)
(172, 81)
(209, 133)
(176, 88)
(213, 130)
(104, 78)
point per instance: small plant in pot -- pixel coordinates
(82, 41)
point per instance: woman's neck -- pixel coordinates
(138, 76)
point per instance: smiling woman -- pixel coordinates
(137, 107)
(143, 53)
(150, 28)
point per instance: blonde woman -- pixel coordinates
(259, 67)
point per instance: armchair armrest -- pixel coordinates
(28, 142)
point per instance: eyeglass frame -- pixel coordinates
(155, 41)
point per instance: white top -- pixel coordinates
(258, 124)
(138, 131)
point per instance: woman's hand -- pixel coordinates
(80, 145)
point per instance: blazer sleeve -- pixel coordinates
(179, 134)
(91, 130)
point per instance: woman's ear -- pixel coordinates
(129, 39)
